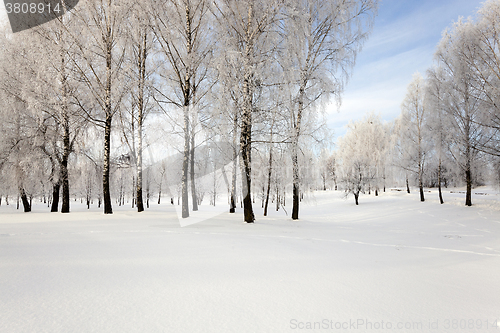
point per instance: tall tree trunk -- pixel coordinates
(232, 205)
(407, 185)
(139, 201)
(65, 178)
(108, 110)
(297, 123)
(108, 209)
(140, 119)
(468, 179)
(66, 141)
(421, 183)
(246, 121)
(55, 197)
(269, 180)
(468, 159)
(439, 182)
(191, 171)
(295, 167)
(246, 151)
(185, 165)
(246, 180)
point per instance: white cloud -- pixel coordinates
(403, 42)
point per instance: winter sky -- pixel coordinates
(402, 42)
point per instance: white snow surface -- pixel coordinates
(392, 262)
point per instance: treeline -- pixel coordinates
(129, 99)
(448, 130)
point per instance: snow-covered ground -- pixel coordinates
(390, 264)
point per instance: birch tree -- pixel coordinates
(322, 41)
(437, 123)
(412, 130)
(98, 59)
(140, 71)
(481, 54)
(462, 107)
(51, 96)
(246, 30)
(183, 33)
(356, 166)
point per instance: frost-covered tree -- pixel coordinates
(321, 44)
(359, 154)
(461, 104)
(140, 70)
(414, 141)
(437, 122)
(248, 33)
(99, 47)
(480, 53)
(183, 32)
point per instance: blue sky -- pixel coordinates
(403, 41)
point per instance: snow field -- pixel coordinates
(390, 261)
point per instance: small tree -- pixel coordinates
(414, 137)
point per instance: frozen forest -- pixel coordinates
(131, 102)
(122, 118)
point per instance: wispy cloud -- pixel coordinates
(403, 42)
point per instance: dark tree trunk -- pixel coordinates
(277, 198)
(439, 183)
(185, 165)
(421, 182)
(246, 151)
(246, 180)
(295, 207)
(468, 179)
(55, 197)
(468, 172)
(192, 174)
(139, 202)
(24, 198)
(268, 181)
(295, 171)
(356, 197)
(232, 205)
(407, 185)
(106, 169)
(143, 54)
(65, 182)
